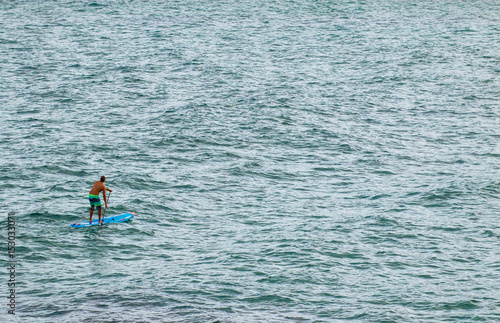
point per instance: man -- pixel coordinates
(94, 197)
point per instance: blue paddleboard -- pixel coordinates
(110, 219)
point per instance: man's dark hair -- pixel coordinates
(103, 178)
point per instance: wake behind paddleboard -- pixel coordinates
(110, 219)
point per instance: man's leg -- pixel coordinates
(91, 214)
(100, 212)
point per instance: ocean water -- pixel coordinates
(287, 161)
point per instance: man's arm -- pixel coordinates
(105, 199)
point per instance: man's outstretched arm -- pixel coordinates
(105, 199)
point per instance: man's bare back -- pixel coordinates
(97, 188)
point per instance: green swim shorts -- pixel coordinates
(95, 202)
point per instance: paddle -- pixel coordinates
(104, 213)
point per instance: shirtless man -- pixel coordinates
(94, 197)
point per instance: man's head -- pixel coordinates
(103, 179)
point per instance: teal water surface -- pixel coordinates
(302, 161)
